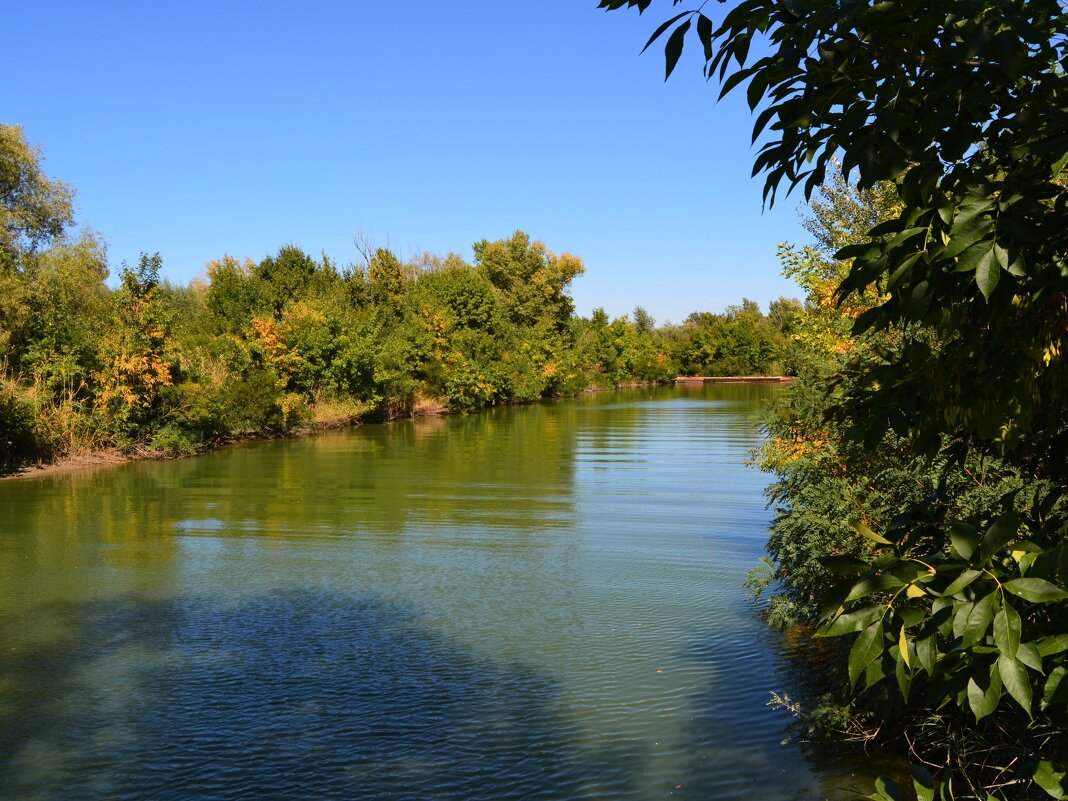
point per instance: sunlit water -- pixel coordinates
(541, 602)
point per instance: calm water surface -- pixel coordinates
(542, 602)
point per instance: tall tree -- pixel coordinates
(34, 209)
(532, 280)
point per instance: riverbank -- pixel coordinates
(324, 418)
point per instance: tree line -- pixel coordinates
(293, 341)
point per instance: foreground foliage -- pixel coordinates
(929, 474)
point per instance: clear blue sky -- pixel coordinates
(199, 129)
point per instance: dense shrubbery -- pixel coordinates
(948, 563)
(292, 341)
(943, 441)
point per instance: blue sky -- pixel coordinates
(201, 129)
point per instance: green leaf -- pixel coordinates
(673, 48)
(1053, 683)
(962, 581)
(879, 669)
(864, 531)
(704, 33)
(1000, 533)
(964, 538)
(964, 236)
(984, 701)
(910, 616)
(886, 789)
(1054, 644)
(859, 250)
(927, 653)
(1029, 655)
(987, 273)
(1014, 677)
(1052, 778)
(960, 617)
(979, 619)
(1007, 627)
(903, 647)
(664, 27)
(852, 621)
(866, 649)
(1035, 590)
(923, 784)
(863, 588)
(968, 261)
(1059, 165)
(905, 236)
(1002, 256)
(902, 674)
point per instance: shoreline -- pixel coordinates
(112, 457)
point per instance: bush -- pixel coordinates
(20, 439)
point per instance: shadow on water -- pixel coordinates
(292, 695)
(733, 718)
(743, 674)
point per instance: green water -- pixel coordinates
(536, 602)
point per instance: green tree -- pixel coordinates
(464, 294)
(33, 208)
(139, 359)
(386, 282)
(644, 321)
(67, 310)
(284, 278)
(531, 279)
(742, 341)
(233, 294)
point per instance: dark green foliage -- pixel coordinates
(283, 278)
(19, 437)
(619, 351)
(463, 294)
(66, 309)
(742, 341)
(232, 296)
(960, 112)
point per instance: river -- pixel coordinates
(541, 602)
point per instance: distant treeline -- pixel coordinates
(294, 341)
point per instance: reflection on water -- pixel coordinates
(541, 602)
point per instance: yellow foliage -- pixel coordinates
(276, 354)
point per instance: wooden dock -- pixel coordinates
(733, 379)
